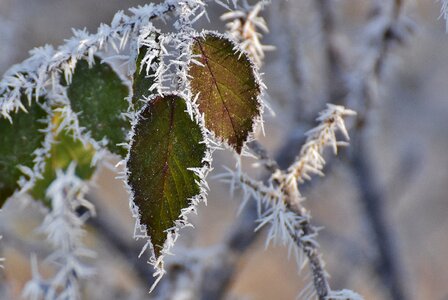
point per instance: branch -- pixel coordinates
(263, 156)
(384, 30)
(320, 281)
(388, 262)
(63, 229)
(217, 276)
(289, 220)
(248, 28)
(31, 76)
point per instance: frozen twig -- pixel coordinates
(247, 27)
(33, 76)
(63, 228)
(309, 162)
(263, 157)
(280, 202)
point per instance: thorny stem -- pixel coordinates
(218, 276)
(285, 190)
(321, 284)
(321, 137)
(56, 62)
(262, 154)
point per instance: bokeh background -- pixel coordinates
(408, 142)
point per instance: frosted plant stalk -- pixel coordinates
(35, 75)
(63, 228)
(310, 161)
(280, 201)
(247, 27)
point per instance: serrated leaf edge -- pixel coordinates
(140, 231)
(71, 121)
(30, 175)
(147, 40)
(258, 121)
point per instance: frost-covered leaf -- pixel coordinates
(165, 145)
(227, 87)
(142, 80)
(98, 94)
(18, 141)
(64, 150)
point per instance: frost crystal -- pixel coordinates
(63, 228)
(280, 201)
(243, 25)
(310, 160)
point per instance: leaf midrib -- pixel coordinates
(166, 167)
(215, 82)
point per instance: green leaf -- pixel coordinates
(64, 150)
(17, 144)
(141, 80)
(98, 94)
(227, 87)
(166, 144)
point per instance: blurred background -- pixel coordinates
(407, 140)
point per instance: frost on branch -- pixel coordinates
(244, 24)
(280, 201)
(310, 161)
(147, 65)
(194, 90)
(34, 75)
(63, 228)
